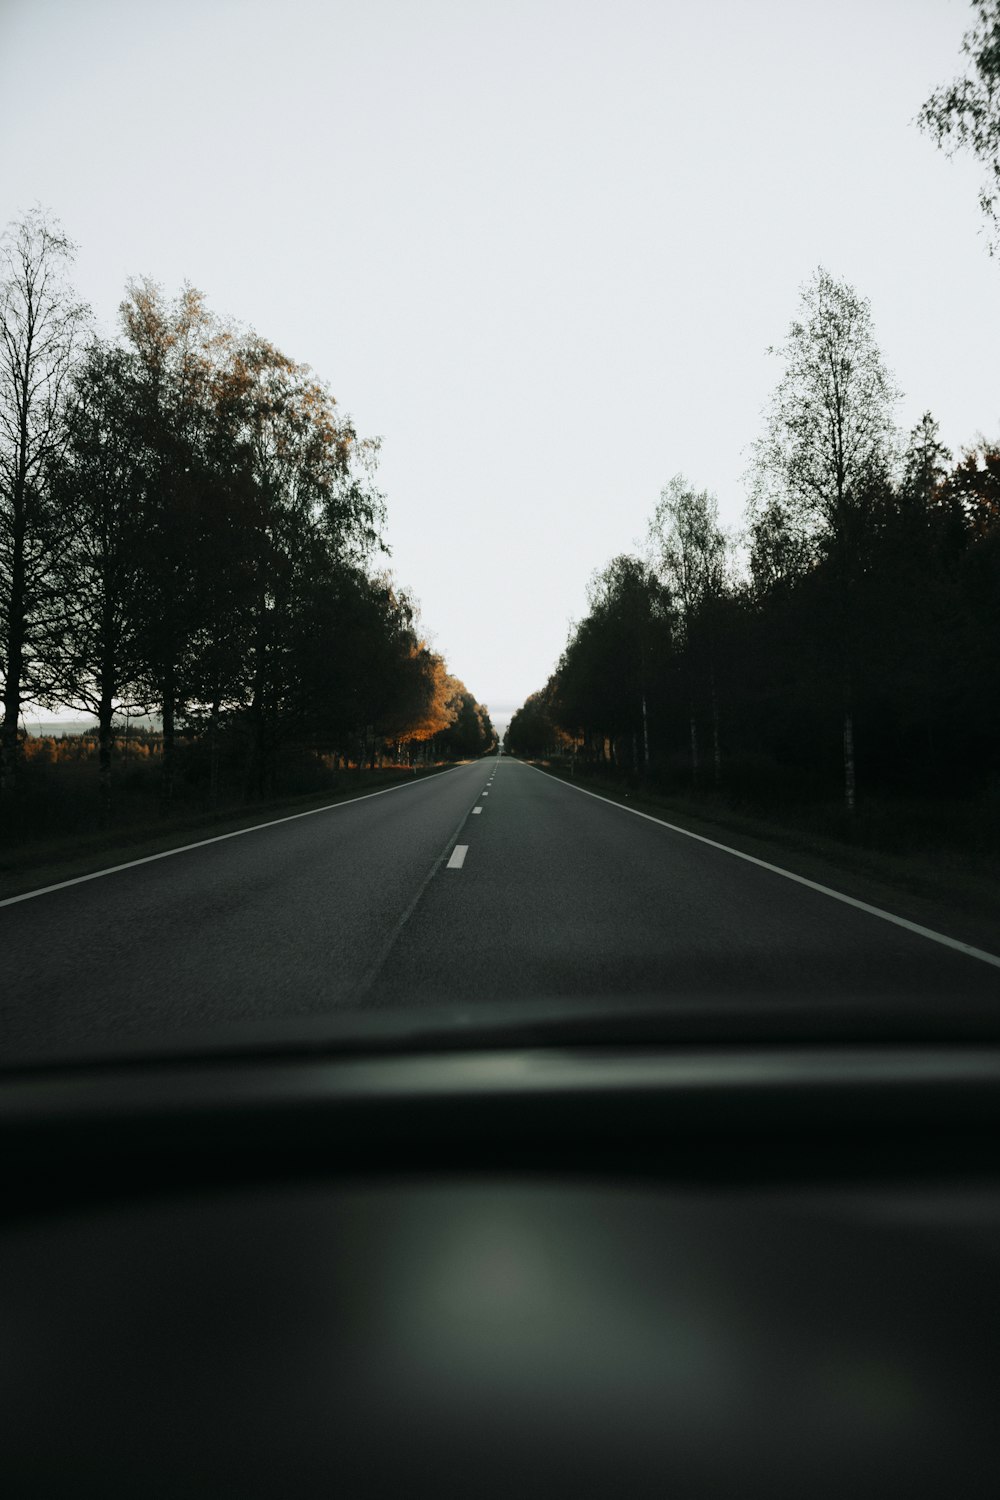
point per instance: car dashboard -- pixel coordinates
(699, 1266)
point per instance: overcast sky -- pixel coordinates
(540, 248)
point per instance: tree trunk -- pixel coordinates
(254, 766)
(9, 748)
(104, 742)
(695, 767)
(848, 659)
(213, 757)
(15, 667)
(716, 751)
(105, 714)
(255, 770)
(849, 780)
(167, 765)
(645, 736)
(8, 730)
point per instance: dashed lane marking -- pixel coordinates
(237, 833)
(476, 810)
(457, 857)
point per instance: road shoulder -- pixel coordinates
(945, 896)
(30, 868)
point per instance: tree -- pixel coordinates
(925, 466)
(316, 507)
(824, 463)
(436, 710)
(966, 113)
(974, 485)
(531, 731)
(779, 551)
(471, 733)
(600, 692)
(627, 597)
(175, 352)
(95, 661)
(356, 665)
(41, 327)
(691, 551)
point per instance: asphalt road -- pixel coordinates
(558, 894)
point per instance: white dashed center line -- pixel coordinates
(458, 857)
(476, 810)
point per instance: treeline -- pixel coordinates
(187, 527)
(845, 642)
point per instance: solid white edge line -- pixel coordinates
(457, 857)
(825, 890)
(217, 838)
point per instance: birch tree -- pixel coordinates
(42, 325)
(965, 114)
(690, 550)
(827, 453)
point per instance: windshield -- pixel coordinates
(499, 524)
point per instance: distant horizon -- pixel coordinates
(37, 727)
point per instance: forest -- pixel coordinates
(836, 656)
(840, 648)
(189, 529)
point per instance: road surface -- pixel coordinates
(492, 881)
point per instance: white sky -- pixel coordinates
(540, 248)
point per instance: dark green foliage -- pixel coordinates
(531, 732)
(199, 518)
(471, 734)
(925, 647)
